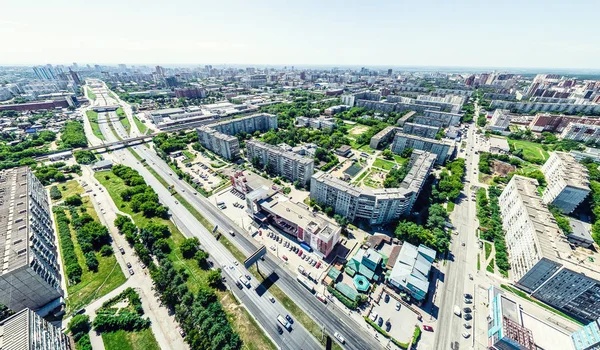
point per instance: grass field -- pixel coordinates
(490, 267)
(123, 119)
(531, 150)
(122, 340)
(488, 250)
(93, 284)
(249, 332)
(383, 164)
(373, 180)
(93, 119)
(399, 159)
(91, 94)
(141, 126)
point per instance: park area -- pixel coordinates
(532, 152)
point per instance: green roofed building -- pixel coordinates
(347, 291)
(366, 263)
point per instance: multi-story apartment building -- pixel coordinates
(500, 120)
(446, 119)
(220, 137)
(542, 262)
(442, 148)
(426, 131)
(526, 107)
(284, 163)
(30, 276)
(377, 206)
(567, 181)
(581, 132)
(27, 330)
(558, 123)
(382, 137)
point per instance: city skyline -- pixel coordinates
(470, 34)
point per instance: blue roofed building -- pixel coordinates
(366, 263)
(588, 337)
(411, 270)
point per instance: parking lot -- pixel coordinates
(401, 319)
(201, 174)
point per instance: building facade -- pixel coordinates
(27, 330)
(500, 120)
(443, 149)
(376, 206)
(220, 138)
(382, 137)
(542, 262)
(426, 131)
(284, 163)
(581, 132)
(30, 277)
(567, 182)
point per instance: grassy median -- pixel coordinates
(93, 119)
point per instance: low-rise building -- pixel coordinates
(589, 152)
(284, 163)
(443, 149)
(567, 182)
(542, 262)
(27, 330)
(377, 206)
(344, 151)
(411, 270)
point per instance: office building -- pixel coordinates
(443, 149)
(542, 262)
(376, 206)
(283, 163)
(567, 182)
(313, 230)
(500, 120)
(581, 132)
(27, 330)
(410, 273)
(30, 277)
(425, 131)
(220, 137)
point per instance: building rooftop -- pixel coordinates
(413, 266)
(14, 228)
(280, 151)
(551, 243)
(574, 173)
(446, 142)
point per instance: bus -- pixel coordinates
(306, 283)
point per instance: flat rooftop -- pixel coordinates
(574, 173)
(14, 230)
(280, 151)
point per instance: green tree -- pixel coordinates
(74, 200)
(189, 247)
(214, 277)
(387, 154)
(55, 193)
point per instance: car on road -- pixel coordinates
(131, 272)
(466, 334)
(398, 306)
(428, 328)
(239, 284)
(272, 300)
(80, 311)
(121, 250)
(235, 263)
(248, 277)
(457, 311)
(279, 329)
(339, 337)
(176, 202)
(128, 265)
(181, 332)
(289, 319)
(470, 277)
(284, 257)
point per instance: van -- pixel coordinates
(457, 310)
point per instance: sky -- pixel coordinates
(523, 34)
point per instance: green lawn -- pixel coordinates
(362, 176)
(93, 284)
(488, 250)
(383, 164)
(91, 94)
(490, 267)
(531, 150)
(123, 119)
(399, 159)
(190, 156)
(450, 206)
(141, 126)
(250, 333)
(93, 119)
(122, 340)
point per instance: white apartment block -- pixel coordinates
(284, 163)
(581, 132)
(568, 181)
(27, 330)
(443, 149)
(500, 120)
(30, 274)
(542, 262)
(377, 206)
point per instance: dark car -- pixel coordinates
(289, 319)
(468, 296)
(467, 310)
(279, 329)
(380, 321)
(468, 317)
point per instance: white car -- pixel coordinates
(339, 337)
(466, 334)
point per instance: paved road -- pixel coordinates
(330, 316)
(259, 306)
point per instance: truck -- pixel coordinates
(284, 323)
(245, 282)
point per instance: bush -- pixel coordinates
(73, 135)
(55, 193)
(84, 157)
(91, 261)
(189, 247)
(106, 250)
(79, 326)
(125, 320)
(74, 200)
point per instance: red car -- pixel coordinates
(300, 252)
(428, 328)
(284, 257)
(318, 264)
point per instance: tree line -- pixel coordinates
(138, 194)
(490, 223)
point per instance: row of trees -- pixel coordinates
(85, 157)
(450, 185)
(490, 223)
(594, 198)
(79, 326)
(174, 142)
(73, 135)
(141, 197)
(91, 235)
(72, 267)
(110, 319)
(395, 177)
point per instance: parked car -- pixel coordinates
(272, 299)
(387, 298)
(468, 317)
(468, 296)
(121, 250)
(380, 321)
(466, 334)
(128, 265)
(467, 325)
(131, 272)
(467, 310)
(181, 332)
(428, 328)
(397, 306)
